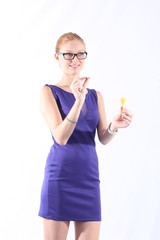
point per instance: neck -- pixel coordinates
(67, 80)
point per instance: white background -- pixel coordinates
(122, 39)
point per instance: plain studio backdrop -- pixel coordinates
(122, 40)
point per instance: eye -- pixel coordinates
(82, 55)
(68, 55)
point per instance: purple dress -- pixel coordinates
(70, 190)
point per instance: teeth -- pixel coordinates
(74, 66)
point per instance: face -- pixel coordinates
(74, 66)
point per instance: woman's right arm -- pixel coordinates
(61, 129)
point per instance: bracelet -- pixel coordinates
(71, 120)
(111, 132)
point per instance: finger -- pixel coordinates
(86, 82)
(83, 83)
(76, 80)
(126, 115)
(127, 120)
(83, 78)
(126, 124)
(76, 85)
(127, 110)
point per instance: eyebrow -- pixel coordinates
(77, 51)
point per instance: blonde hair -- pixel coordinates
(65, 38)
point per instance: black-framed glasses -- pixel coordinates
(71, 56)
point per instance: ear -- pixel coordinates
(56, 56)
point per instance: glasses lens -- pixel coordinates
(81, 55)
(68, 56)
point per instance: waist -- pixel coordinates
(72, 162)
(81, 138)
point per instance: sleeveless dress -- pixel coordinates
(71, 186)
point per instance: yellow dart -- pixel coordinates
(123, 100)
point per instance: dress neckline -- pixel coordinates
(62, 89)
(67, 91)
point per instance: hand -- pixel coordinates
(78, 88)
(122, 120)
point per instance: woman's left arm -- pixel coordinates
(107, 131)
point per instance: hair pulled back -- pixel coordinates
(67, 37)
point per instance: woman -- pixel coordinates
(73, 113)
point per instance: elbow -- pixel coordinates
(58, 138)
(103, 137)
(60, 141)
(103, 142)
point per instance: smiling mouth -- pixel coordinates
(74, 66)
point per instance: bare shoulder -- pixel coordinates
(46, 93)
(45, 90)
(47, 97)
(99, 95)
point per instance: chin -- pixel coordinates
(75, 71)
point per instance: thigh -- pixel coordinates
(87, 230)
(55, 230)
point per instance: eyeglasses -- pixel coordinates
(71, 56)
